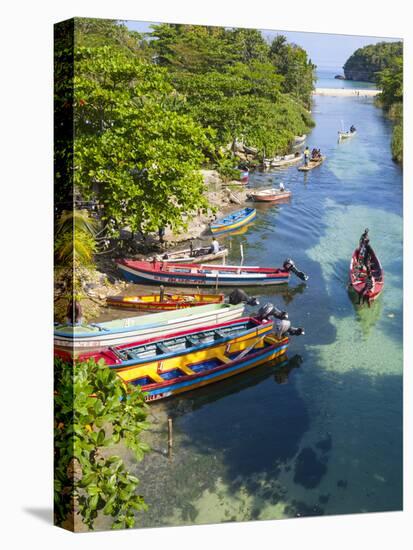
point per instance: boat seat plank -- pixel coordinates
(162, 348)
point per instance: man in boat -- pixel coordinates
(306, 155)
(281, 187)
(214, 246)
(352, 129)
(368, 287)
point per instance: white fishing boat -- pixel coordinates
(74, 338)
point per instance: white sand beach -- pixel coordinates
(346, 92)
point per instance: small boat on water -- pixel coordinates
(233, 221)
(346, 135)
(312, 164)
(358, 275)
(205, 274)
(163, 302)
(269, 195)
(200, 254)
(123, 331)
(299, 139)
(191, 359)
(285, 160)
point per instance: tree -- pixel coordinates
(133, 150)
(94, 411)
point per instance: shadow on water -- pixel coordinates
(252, 440)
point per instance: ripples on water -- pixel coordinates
(322, 436)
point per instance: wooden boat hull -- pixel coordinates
(311, 165)
(152, 302)
(184, 256)
(234, 221)
(285, 162)
(357, 277)
(200, 274)
(174, 372)
(299, 139)
(124, 331)
(261, 196)
(346, 135)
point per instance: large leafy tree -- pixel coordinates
(292, 63)
(133, 150)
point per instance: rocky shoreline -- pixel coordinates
(105, 279)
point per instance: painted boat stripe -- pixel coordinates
(216, 374)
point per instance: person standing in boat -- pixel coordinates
(306, 155)
(281, 187)
(352, 129)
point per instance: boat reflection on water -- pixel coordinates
(285, 293)
(280, 368)
(366, 316)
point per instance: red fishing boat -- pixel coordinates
(206, 274)
(358, 275)
(269, 195)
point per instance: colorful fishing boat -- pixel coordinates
(358, 275)
(269, 195)
(124, 331)
(233, 221)
(200, 254)
(163, 302)
(188, 360)
(201, 274)
(244, 176)
(312, 163)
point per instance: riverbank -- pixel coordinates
(349, 92)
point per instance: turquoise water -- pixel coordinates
(320, 433)
(325, 79)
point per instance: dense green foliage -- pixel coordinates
(237, 84)
(94, 411)
(132, 146)
(390, 81)
(149, 113)
(365, 63)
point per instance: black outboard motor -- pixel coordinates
(289, 265)
(237, 296)
(269, 310)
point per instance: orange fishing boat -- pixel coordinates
(156, 302)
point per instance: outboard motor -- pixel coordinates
(269, 310)
(237, 296)
(283, 327)
(289, 265)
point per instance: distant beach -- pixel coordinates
(345, 92)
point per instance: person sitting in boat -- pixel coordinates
(306, 155)
(352, 129)
(368, 287)
(214, 246)
(281, 187)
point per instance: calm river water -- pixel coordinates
(322, 432)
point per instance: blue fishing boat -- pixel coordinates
(233, 221)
